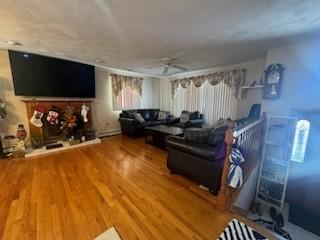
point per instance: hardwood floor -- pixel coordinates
(78, 194)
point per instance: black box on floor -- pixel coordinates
(1, 150)
(90, 134)
(54, 145)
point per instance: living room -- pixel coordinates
(131, 149)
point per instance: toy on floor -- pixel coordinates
(277, 223)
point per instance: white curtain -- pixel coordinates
(127, 99)
(213, 101)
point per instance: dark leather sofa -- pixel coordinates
(131, 127)
(196, 120)
(200, 161)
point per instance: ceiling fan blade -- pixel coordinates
(166, 69)
(180, 67)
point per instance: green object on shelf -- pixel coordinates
(3, 112)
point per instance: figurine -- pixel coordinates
(2, 109)
(84, 112)
(21, 132)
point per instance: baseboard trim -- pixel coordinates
(66, 146)
(109, 133)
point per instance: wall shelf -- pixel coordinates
(245, 89)
(252, 87)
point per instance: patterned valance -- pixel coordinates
(119, 82)
(233, 78)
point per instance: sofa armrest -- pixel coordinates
(172, 141)
(195, 123)
(196, 149)
(175, 138)
(127, 120)
(128, 126)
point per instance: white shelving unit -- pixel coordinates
(274, 169)
(244, 89)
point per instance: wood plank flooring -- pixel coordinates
(80, 193)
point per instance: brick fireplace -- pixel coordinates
(50, 133)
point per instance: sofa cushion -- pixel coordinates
(139, 118)
(197, 149)
(162, 115)
(145, 114)
(217, 132)
(199, 135)
(129, 113)
(217, 135)
(154, 115)
(221, 122)
(195, 115)
(149, 114)
(184, 117)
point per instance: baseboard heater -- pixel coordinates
(109, 133)
(54, 145)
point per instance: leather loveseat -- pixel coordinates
(200, 160)
(130, 126)
(195, 120)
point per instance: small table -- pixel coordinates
(156, 135)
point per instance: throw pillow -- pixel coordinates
(162, 115)
(216, 135)
(139, 118)
(199, 135)
(131, 113)
(217, 132)
(220, 123)
(184, 117)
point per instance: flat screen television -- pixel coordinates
(41, 76)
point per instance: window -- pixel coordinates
(126, 92)
(127, 99)
(213, 101)
(300, 141)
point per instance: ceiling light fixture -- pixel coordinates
(10, 42)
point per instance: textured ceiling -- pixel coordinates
(136, 34)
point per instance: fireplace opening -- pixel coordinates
(60, 120)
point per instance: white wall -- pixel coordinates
(104, 118)
(301, 79)
(255, 70)
(16, 110)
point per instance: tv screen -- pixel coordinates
(40, 76)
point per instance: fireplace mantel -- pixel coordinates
(43, 134)
(57, 99)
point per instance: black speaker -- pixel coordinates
(54, 145)
(90, 134)
(1, 150)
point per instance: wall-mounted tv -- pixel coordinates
(40, 76)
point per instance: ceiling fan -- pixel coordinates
(170, 63)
